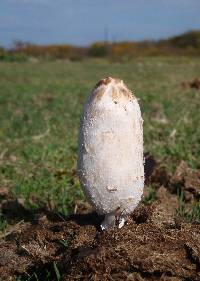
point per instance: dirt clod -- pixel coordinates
(187, 180)
(192, 84)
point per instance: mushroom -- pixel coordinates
(110, 151)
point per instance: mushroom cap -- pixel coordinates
(110, 150)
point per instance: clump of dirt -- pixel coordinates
(192, 84)
(155, 173)
(155, 244)
(186, 179)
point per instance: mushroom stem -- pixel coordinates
(111, 220)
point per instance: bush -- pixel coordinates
(11, 57)
(98, 49)
(189, 39)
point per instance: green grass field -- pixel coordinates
(40, 106)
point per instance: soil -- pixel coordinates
(191, 84)
(155, 243)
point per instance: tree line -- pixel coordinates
(184, 44)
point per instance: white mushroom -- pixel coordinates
(110, 154)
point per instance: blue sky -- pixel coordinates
(81, 22)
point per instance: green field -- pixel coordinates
(40, 106)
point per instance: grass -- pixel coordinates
(40, 106)
(190, 213)
(52, 274)
(151, 196)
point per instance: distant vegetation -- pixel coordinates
(184, 44)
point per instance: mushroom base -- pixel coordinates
(111, 220)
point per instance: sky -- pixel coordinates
(82, 22)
